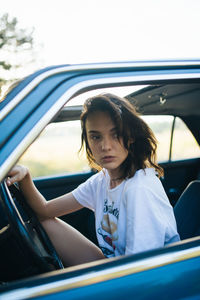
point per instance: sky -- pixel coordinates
(85, 31)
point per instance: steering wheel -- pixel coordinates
(28, 229)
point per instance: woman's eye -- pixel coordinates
(95, 137)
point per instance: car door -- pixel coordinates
(172, 271)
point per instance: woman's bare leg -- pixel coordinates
(72, 247)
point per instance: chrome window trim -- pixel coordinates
(18, 98)
(102, 275)
(65, 98)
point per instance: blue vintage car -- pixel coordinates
(33, 117)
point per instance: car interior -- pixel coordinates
(163, 104)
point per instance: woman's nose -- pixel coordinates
(106, 144)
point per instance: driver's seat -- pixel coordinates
(187, 211)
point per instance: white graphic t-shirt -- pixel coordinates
(134, 216)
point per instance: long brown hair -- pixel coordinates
(130, 126)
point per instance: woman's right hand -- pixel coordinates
(17, 174)
(33, 197)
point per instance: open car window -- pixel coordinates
(56, 151)
(184, 145)
(175, 140)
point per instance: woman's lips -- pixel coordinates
(108, 158)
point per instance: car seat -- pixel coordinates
(187, 211)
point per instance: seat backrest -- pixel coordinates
(187, 211)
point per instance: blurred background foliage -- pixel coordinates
(16, 48)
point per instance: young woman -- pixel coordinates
(132, 211)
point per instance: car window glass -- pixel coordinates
(56, 151)
(184, 145)
(161, 127)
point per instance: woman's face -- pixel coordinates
(107, 149)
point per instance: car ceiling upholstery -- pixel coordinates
(172, 99)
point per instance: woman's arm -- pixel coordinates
(44, 209)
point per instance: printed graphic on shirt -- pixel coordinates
(108, 228)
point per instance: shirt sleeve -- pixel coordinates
(85, 192)
(145, 224)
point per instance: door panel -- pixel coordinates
(52, 187)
